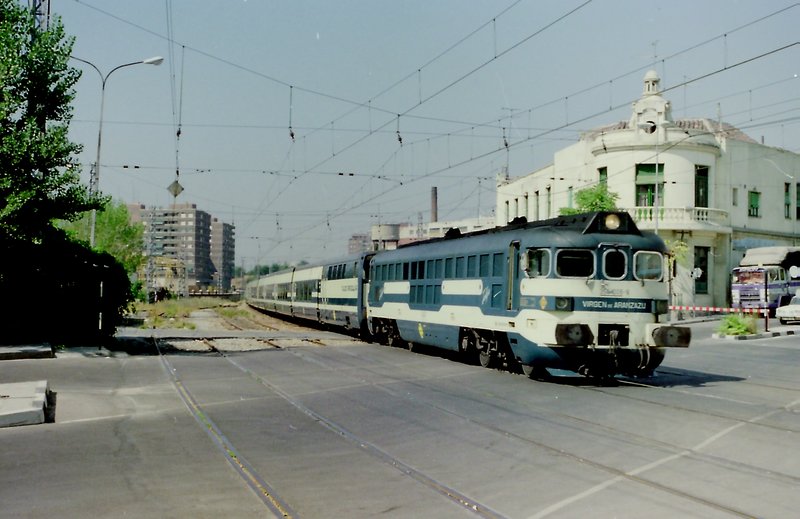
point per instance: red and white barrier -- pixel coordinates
(717, 309)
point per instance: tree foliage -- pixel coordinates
(88, 291)
(114, 234)
(39, 182)
(596, 198)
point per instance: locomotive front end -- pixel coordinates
(593, 301)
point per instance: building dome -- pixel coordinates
(651, 81)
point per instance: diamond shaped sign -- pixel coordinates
(175, 188)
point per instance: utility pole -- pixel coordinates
(41, 9)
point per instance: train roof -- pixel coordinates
(605, 222)
(573, 231)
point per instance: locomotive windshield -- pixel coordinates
(536, 263)
(648, 266)
(575, 263)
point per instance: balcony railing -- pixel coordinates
(680, 218)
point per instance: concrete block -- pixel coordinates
(26, 403)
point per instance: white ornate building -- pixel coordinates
(699, 181)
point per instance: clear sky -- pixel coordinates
(454, 79)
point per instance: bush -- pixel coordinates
(736, 324)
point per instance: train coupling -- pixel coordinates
(665, 336)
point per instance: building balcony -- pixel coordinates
(681, 219)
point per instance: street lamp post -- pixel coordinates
(155, 60)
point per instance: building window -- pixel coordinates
(536, 205)
(525, 209)
(569, 197)
(508, 211)
(646, 185)
(602, 175)
(787, 200)
(701, 255)
(753, 203)
(735, 196)
(549, 201)
(797, 203)
(701, 186)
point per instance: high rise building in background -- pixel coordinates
(187, 250)
(223, 251)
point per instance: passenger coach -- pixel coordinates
(330, 293)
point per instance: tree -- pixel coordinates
(39, 182)
(114, 234)
(39, 185)
(597, 198)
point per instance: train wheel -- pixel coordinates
(487, 359)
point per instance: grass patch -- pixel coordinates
(735, 324)
(174, 313)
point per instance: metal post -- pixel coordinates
(156, 60)
(766, 301)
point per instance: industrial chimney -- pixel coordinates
(434, 206)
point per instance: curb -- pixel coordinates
(762, 335)
(27, 351)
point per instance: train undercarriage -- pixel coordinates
(493, 349)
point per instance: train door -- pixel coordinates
(362, 275)
(512, 276)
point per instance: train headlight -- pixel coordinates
(574, 334)
(564, 304)
(612, 222)
(662, 306)
(672, 336)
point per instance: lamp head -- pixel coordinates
(155, 60)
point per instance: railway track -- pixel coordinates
(671, 451)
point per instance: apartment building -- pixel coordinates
(187, 249)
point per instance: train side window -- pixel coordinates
(575, 263)
(483, 265)
(449, 268)
(497, 295)
(615, 264)
(439, 269)
(472, 266)
(413, 270)
(405, 271)
(497, 264)
(538, 264)
(390, 276)
(460, 267)
(648, 266)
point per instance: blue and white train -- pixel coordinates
(586, 293)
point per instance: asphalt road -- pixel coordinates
(337, 428)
